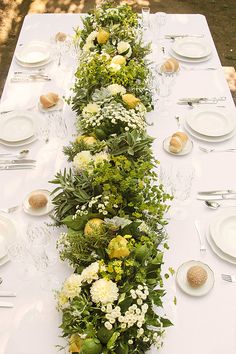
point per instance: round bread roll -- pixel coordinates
(60, 37)
(49, 100)
(176, 145)
(183, 137)
(38, 201)
(171, 65)
(196, 276)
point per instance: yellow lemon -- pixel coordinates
(130, 100)
(118, 248)
(75, 343)
(118, 59)
(94, 225)
(89, 140)
(102, 36)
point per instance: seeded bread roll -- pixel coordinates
(38, 201)
(196, 276)
(60, 37)
(171, 65)
(175, 145)
(183, 137)
(49, 100)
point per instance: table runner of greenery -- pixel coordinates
(110, 200)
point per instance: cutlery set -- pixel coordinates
(20, 76)
(183, 35)
(224, 194)
(200, 100)
(16, 164)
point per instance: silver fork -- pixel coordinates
(9, 210)
(216, 150)
(202, 244)
(229, 278)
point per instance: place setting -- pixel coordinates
(19, 128)
(210, 125)
(191, 49)
(34, 54)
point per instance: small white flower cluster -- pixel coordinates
(117, 114)
(95, 201)
(140, 293)
(104, 291)
(135, 315)
(143, 227)
(112, 314)
(62, 242)
(114, 89)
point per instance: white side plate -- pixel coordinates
(41, 211)
(181, 278)
(186, 150)
(189, 60)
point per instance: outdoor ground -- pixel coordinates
(221, 17)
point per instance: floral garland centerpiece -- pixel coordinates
(110, 200)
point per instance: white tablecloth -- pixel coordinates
(201, 325)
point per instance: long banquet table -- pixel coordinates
(203, 325)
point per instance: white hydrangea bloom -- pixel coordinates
(101, 157)
(114, 89)
(72, 286)
(91, 108)
(124, 47)
(82, 160)
(104, 291)
(90, 273)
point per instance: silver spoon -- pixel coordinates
(215, 205)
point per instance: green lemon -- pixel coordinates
(91, 346)
(104, 334)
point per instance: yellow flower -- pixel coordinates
(118, 59)
(130, 100)
(94, 226)
(102, 36)
(88, 140)
(92, 108)
(117, 247)
(75, 343)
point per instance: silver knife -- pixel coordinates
(218, 192)
(198, 99)
(6, 304)
(16, 167)
(216, 197)
(7, 294)
(18, 161)
(29, 79)
(173, 36)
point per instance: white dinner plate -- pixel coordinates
(211, 122)
(186, 150)
(3, 249)
(223, 231)
(34, 52)
(218, 251)
(209, 139)
(181, 278)
(193, 48)
(17, 126)
(189, 60)
(41, 211)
